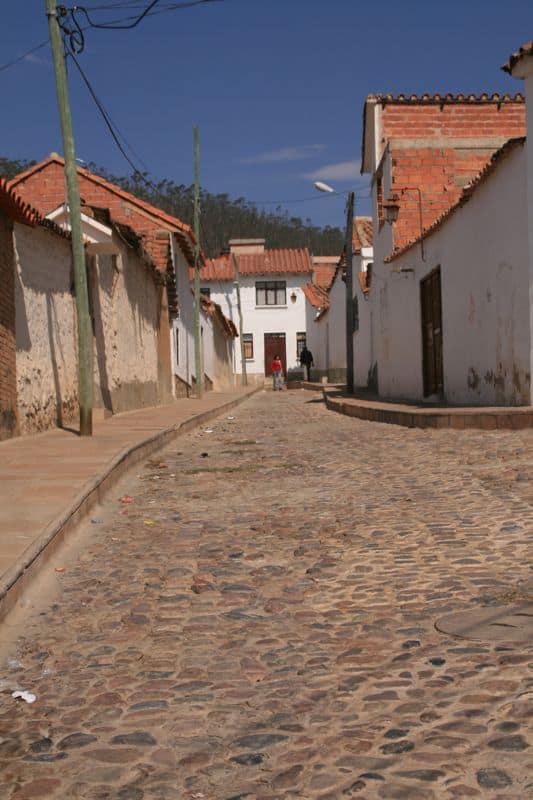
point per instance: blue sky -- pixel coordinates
(276, 86)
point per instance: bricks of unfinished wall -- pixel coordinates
(8, 391)
(450, 145)
(45, 190)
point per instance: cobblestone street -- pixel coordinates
(259, 622)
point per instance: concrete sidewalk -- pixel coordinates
(412, 415)
(50, 481)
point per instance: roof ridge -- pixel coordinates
(447, 98)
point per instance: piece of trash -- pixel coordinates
(97, 521)
(208, 430)
(27, 696)
(115, 539)
(162, 465)
(59, 569)
(126, 500)
(204, 455)
(14, 663)
(124, 511)
(149, 522)
(172, 475)
(230, 417)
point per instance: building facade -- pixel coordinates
(272, 301)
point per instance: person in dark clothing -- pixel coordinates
(306, 360)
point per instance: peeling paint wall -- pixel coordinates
(45, 329)
(8, 387)
(124, 299)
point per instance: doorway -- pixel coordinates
(275, 345)
(431, 306)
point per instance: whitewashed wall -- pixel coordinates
(125, 298)
(330, 358)
(183, 326)
(482, 250)
(289, 319)
(45, 320)
(363, 342)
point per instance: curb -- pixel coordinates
(16, 579)
(488, 419)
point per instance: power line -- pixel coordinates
(113, 129)
(119, 24)
(24, 56)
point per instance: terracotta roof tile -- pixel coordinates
(362, 233)
(525, 50)
(173, 224)
(466, 194)
(324, 274)
(445, 99)
(270, 262)
(214, 310)
(14, 206)
(318, 297)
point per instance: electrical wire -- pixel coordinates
(24, 56)
(119, 24)
(113, 129)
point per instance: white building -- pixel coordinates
(326, 308)
(272, 302)
(447, 314)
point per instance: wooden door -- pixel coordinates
(431, 306)
(275, 345)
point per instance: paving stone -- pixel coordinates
(493, 778)
(308, 663)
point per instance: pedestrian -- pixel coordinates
(306, 360)
(277, 373)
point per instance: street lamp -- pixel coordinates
(324, 187)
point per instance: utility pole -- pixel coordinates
(349, 293)
(85, 334)
(244, 376)
(197, 329)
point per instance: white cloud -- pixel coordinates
(33, 59)
(342, 171)
(297, 153)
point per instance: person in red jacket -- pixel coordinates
(277, 373)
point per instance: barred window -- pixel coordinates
(271, 293)
(248, 341)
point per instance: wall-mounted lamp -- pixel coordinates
(391, 207)
(294, 297)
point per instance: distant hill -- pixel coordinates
(221, 217)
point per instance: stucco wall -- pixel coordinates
(289, 319)
(125, 304)
(8, 387)
(218, 353)
(330, 336)
(183, 325)
(482, 251)
(46, 333)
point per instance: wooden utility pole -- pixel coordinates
(197, 329)
(85, 334)
(236, 282)
(349, 294)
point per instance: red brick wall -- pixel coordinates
(459, 120)
(8, 388)
(45, 190)
(450, 145)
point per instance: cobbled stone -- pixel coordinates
(492, 778)
(272, 634)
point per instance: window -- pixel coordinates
(271, 293)
(206, 291)
(355, 306)
(300, 344)
(248, 341)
